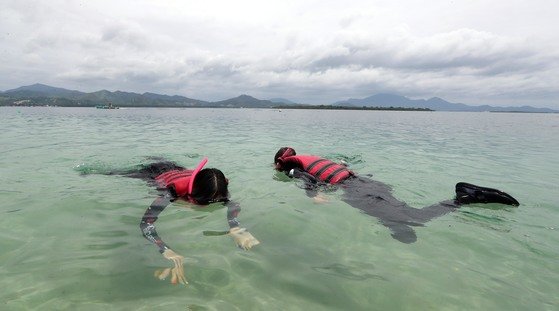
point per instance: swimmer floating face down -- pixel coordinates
(374, 197)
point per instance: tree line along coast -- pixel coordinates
(44, 95)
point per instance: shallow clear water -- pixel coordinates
(71, 240)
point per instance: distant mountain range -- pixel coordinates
(435, 103)
(245, 101)
(41, 95)
(282, 101)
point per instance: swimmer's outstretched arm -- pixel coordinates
(150, 217)
(311, 184)
(303, 175)
(242, 237)
(148, 230)
(233, 210)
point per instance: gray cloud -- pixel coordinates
(128, 36)
(214, 50)
(480, 52)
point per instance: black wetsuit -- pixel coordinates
(375, 198)
(147, 224)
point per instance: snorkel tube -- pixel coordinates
(195, 172)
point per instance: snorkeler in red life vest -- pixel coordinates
(198, 186)
(375, 198)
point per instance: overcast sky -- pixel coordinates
(499, 52)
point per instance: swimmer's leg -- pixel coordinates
(150, 171)
(469, 193)
(401, 232)
(423, 215)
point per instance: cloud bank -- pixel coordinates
(503, 53)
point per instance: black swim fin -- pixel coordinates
(468, 193)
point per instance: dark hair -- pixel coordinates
(281, 151)
(210, 185)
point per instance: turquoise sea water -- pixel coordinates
(70, 238)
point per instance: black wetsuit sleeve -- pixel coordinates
(147, 224)
(233, 210)
(311, 183)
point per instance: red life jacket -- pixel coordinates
(323, 169)
(182, 181)
(177, 179)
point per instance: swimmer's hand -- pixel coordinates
(177, 272)
(243, 238)
(320, 198)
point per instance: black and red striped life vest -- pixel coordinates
(323, 169)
